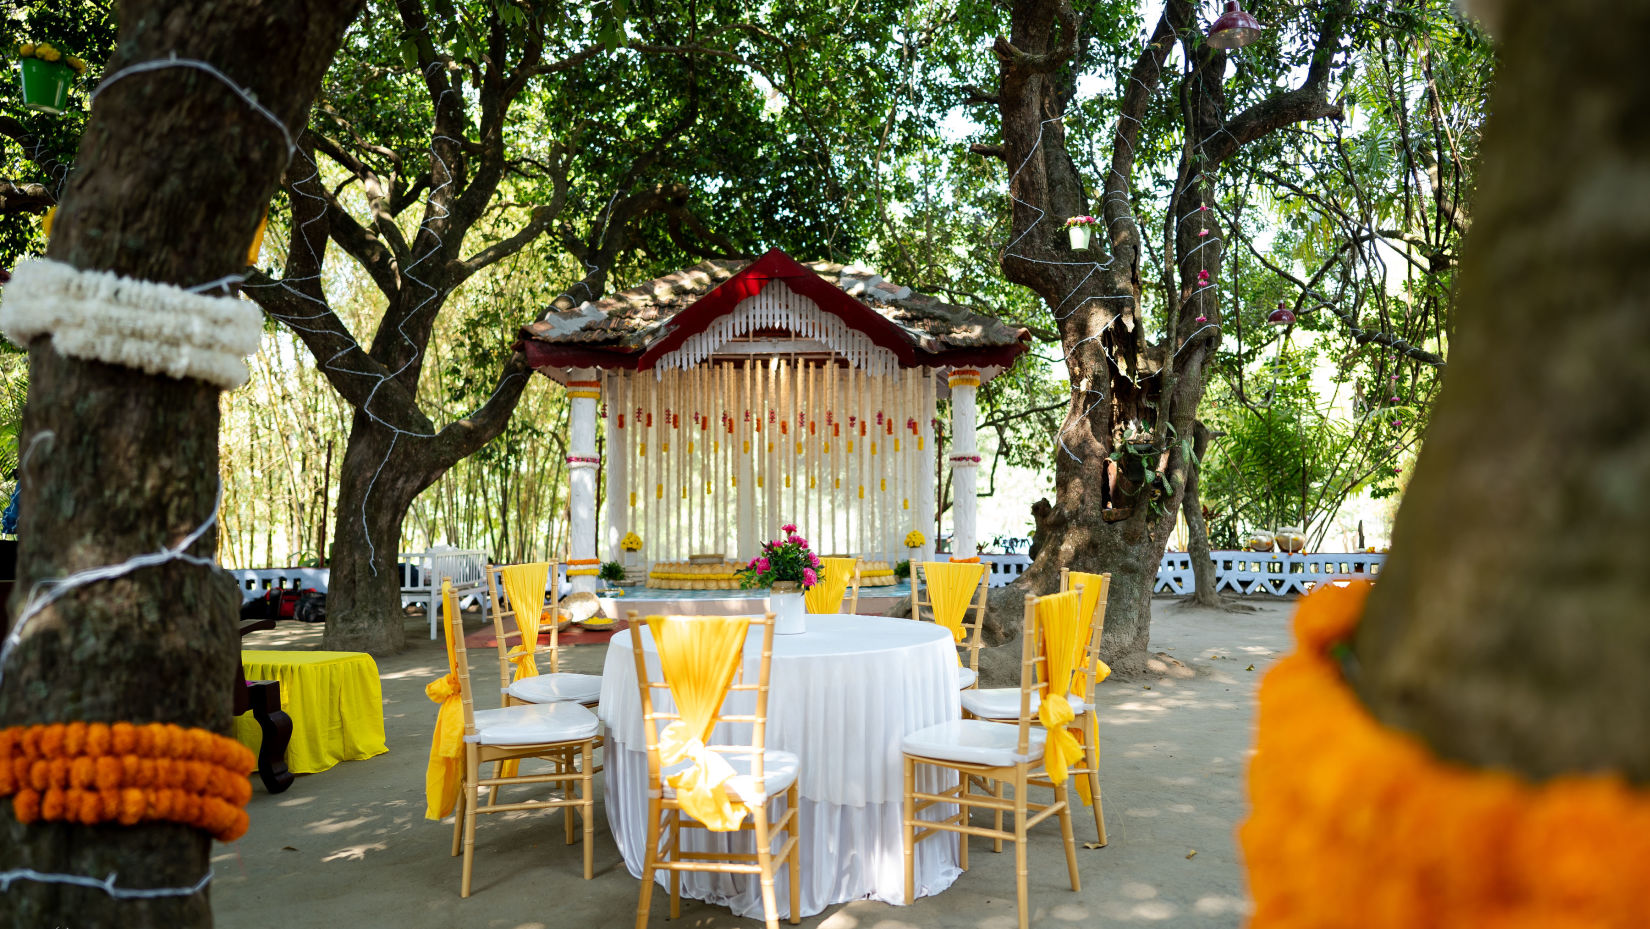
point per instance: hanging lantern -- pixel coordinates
(1234, 28)
(1282, 316)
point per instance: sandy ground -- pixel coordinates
(350, 846)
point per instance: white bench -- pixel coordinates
(255, 582)
(465, 567)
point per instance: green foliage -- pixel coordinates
(612, 572)
(902, 570)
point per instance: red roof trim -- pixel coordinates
(776, 265)
(545, 355)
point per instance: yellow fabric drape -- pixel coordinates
(1094, 587)
(524, 585)
(698, 656)
(951, 589)
(826, 596)
(1064, 627)
(335, 701)
(446, 769)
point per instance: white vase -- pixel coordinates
(790, 612)
(1079, 237)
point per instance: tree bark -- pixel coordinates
(1509, 628)
(174, 173)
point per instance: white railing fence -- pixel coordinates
(1272, 573)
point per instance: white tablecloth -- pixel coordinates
(841, 696)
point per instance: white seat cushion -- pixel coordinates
(558, 688)
(533, 724)
(1004, 703)
(973, 741)
(966, 677)
(779, 770)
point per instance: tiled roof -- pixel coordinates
(630, 320)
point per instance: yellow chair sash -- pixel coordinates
(524, 585)
(1064, 627)
(951, 588)
(698, 656)
(446, 768)
(826, 596)
(1094, 585)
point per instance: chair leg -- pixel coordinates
(764, 860)
(675, 855)
(650, 857)
(567, 794)
(997, 818)
(472, 772)
(1062, 796)
(908, 830)
(458, 822)
(1092, 751)
(1020, 844)
(793, 805)
(587, 810)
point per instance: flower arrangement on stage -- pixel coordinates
(915, 539)
(783, 560)
(631, 542)
(612, 572)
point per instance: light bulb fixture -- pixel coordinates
(1282, 316)
(1234, 28)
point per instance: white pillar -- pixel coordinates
(617, 469)
(581, 470)
(964, 462)
(925, 473)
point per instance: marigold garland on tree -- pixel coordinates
(99, 772)
(1357, 825)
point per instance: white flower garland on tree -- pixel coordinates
(152, 327)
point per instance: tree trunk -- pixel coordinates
(1197, 531)
(174, 174)
(1509, 629)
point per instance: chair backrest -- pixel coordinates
(835, 574)
(465, 567)
(1031, 659)
(737, 628)
(922, 595)
(458, 656)
(1096, 588)
(526, 582)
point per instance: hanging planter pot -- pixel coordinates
(1079, 237)
(46, 85)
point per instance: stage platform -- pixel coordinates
(873, 601)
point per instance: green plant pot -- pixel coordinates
(46, 84)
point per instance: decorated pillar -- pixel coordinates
(618, 468)
(583, 392)
(965, 463)
(927, 453)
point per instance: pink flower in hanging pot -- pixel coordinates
(1394, 399)
(1203, 208)
(1203, 319)
(1202, 232)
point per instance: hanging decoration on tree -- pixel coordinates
(46, 74)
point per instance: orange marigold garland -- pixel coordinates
(92, 773)
(1357, 825)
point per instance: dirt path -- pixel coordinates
(351, 847)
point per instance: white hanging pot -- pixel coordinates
(1079, 236)
(790, 614)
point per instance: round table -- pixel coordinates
(841, 697)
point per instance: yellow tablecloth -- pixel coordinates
(335, 702)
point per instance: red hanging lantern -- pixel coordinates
(1234, 28)
(1282, 316)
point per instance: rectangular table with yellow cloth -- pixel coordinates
(334, 699)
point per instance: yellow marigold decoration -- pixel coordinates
(631, 542)
(93, 773)
(915, 539)
(1356, 825)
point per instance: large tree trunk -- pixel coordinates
(381, 475)
(174, 172)
(1197, 530)
(1510, 628)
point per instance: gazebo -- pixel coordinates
(739, 395)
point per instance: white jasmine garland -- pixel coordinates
(155, 328)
